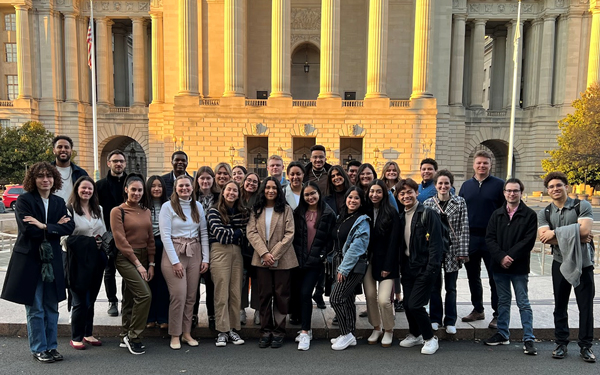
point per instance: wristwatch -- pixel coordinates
(152, 264)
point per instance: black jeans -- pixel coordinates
(159, 308)
(110, 283)
(82, 313)
(210, 295)
(584, 294)
(417, 292)
(436, 308)
(304, 281)
(478, 251)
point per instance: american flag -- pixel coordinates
(89, 43)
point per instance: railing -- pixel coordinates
(119, 110)
(6, 103)
(399, 103)
(256, 102)
(304, 103)
(210, 102)
(499, 113)
(353, 103)
(7, 241)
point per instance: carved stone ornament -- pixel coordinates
(306, 19)
(560, 3)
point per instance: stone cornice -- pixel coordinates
(117, 8)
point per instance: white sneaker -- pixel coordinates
(344, 341)
(333, 340)
(435, 326)
(387, 339)
(431, 346)
(451, 330)
(304, 341)
(300, 334)
(411, 341)
(374, 338)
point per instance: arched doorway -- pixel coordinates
(305, 71)
(134, 155)
(499, 151)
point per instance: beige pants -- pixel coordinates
(182, 291)
(378, 301)
(227, 270)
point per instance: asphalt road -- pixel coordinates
(460, 357)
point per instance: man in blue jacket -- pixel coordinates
(510, 237)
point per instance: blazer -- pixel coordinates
(24, 267)
(278, 242)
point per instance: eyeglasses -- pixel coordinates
(308, 195)
(512, 191)
(557, 186)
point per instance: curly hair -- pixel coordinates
(261, 199)
(75, 200)
(29, 184)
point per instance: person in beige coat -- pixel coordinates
(270, 231)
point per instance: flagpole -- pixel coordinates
(94, 111)
(511, 139)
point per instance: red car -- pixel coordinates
(10, 195)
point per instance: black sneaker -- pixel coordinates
(194, 321)
(43, 357)
(560, 351)
(265, 341)
(335, 321)
(113, 310)
(211, 323)
(134, 347)
(497, 339)
(277, 342)
(398, 306)
(529, 348)
(55, 354)
(588, 355)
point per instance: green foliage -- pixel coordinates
(578, 153)
(23, 146)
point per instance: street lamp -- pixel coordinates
(306, 66)
(375, 156)
(178, 145)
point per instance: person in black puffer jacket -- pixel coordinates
(314, 221)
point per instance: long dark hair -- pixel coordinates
(245, 195)
(75, 199)
(340, 170)
(303, 205)
(222, 207)
(384, 216)
(261, 200)
(151, 179)
(133, 177)
(361, 210)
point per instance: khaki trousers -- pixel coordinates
(379, 305)
(182, 291)
(227, 269)
(137, 296)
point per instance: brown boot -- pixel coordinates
(473, 316)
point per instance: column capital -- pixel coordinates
(460, 16)
(537, 21)
(480, 21)
(549, 17)
(156, 14)
(101, 20)
(513, 22)
(25, 5)
(70, 14)
(142, 20)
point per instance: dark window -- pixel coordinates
(262, 95)
(350, 95)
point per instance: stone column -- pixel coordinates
(121, 76)
(234, 49)
(58, 45)
(497, 70)
(533, 63)
(478, 43)
(139, 62)
(71, 58)
(547, 61)
(330, 49)
(47, 54)
(157, 58)
(111, 62)
(188, 47)
(280, 48)
(458, 59)
(23, 51)
(377, 49)
(420, 81)
(593, 73)
(102, 60)
(509, 62)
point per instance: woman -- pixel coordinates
(295, 174)
(338, 183)
(227, 222)
(270, 231)
(248, 195)
(351, 239)
(366, 174)
(238, 173)
(159, 308)
(391, 175)
(131, 225)
(313, 222)
(185, 239)
(35, 276)
(224, 174)
(383, 263)
(85, 260)
(454, 208)
(206, 192)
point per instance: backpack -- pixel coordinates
(446, 228)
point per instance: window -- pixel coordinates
(350, 95)
(4, 122)
(11, 52)
(12, 87)
(10, 22)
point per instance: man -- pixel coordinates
(275, 169)
(110, 195)
(510, 237)
(318, 168)
(566, 224)
(179, 161)
(484, 195)
(427, 187)
(420, 262)
(352, 170)
(62, 148)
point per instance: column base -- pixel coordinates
(421, 95)
(423, 103)
(329, 102)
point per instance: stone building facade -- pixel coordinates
(238, 80)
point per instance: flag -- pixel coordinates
(89, 44)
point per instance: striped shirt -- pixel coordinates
(227, 234)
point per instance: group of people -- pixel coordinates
(323, 230)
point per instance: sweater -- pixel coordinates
(172, 226)
(232, 233)
(483, 198)
(135, 232)
(110, 194)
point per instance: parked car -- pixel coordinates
(10, 195)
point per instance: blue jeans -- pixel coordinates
(519, 283)
(42, 318)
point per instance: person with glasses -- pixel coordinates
(317, 168)
(510, 236)
(455, 210)
(566, 225)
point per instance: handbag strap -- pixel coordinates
(444, 212)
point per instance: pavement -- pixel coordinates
(13, 321)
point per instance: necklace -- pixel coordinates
(320, 174)
(68, 177)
